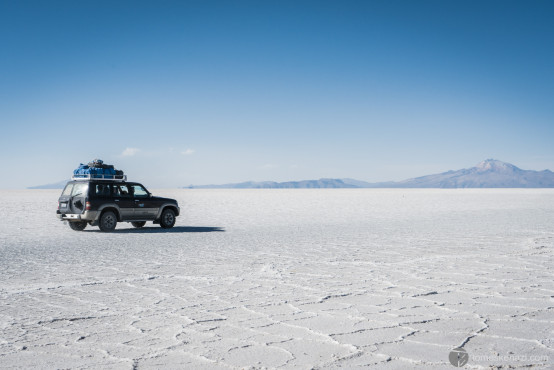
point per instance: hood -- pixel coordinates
(164, 199)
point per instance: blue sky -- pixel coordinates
(196, 92)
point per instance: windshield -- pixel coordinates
(79, 189)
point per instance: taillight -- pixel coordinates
(87, 206)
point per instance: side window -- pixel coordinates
(67, 190)
(121, 191)
(139, 191)
(102, 190)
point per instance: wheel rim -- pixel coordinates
(168, 218)
(109, 221)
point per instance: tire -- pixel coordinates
(138, 224)
(78, 226)
(108, 221)
(168, 218)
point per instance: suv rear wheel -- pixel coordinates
(138, 224)
(107, 221)
(78, 225)
(168, 218)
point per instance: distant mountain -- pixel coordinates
(490, 173)
(321, 183)
(357, 183)
(57, 185)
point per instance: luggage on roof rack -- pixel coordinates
(98, 170)
(98, 163)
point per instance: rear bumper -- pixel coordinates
(85, 216)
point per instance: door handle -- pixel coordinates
(117, 200)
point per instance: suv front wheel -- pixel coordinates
(108, 220)
(168, 218)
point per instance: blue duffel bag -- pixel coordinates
(101, 173)
(98, 170)
(85, 171)
(81, 170)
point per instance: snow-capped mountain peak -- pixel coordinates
(494, 165)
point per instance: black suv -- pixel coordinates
(103, 203)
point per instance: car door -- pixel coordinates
(123, 198)
(145, 209)
(78, 197)
(74, 198)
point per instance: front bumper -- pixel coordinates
(88, 216)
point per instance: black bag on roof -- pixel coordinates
(97, 163)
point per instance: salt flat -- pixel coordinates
(322, 278)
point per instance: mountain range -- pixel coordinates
(490, 173)
(56, 185)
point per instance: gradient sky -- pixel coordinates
(197, 92)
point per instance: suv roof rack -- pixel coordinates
(86, 177)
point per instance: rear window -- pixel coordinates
(67, 190)
(79, 189)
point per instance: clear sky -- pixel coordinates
(197, 92)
